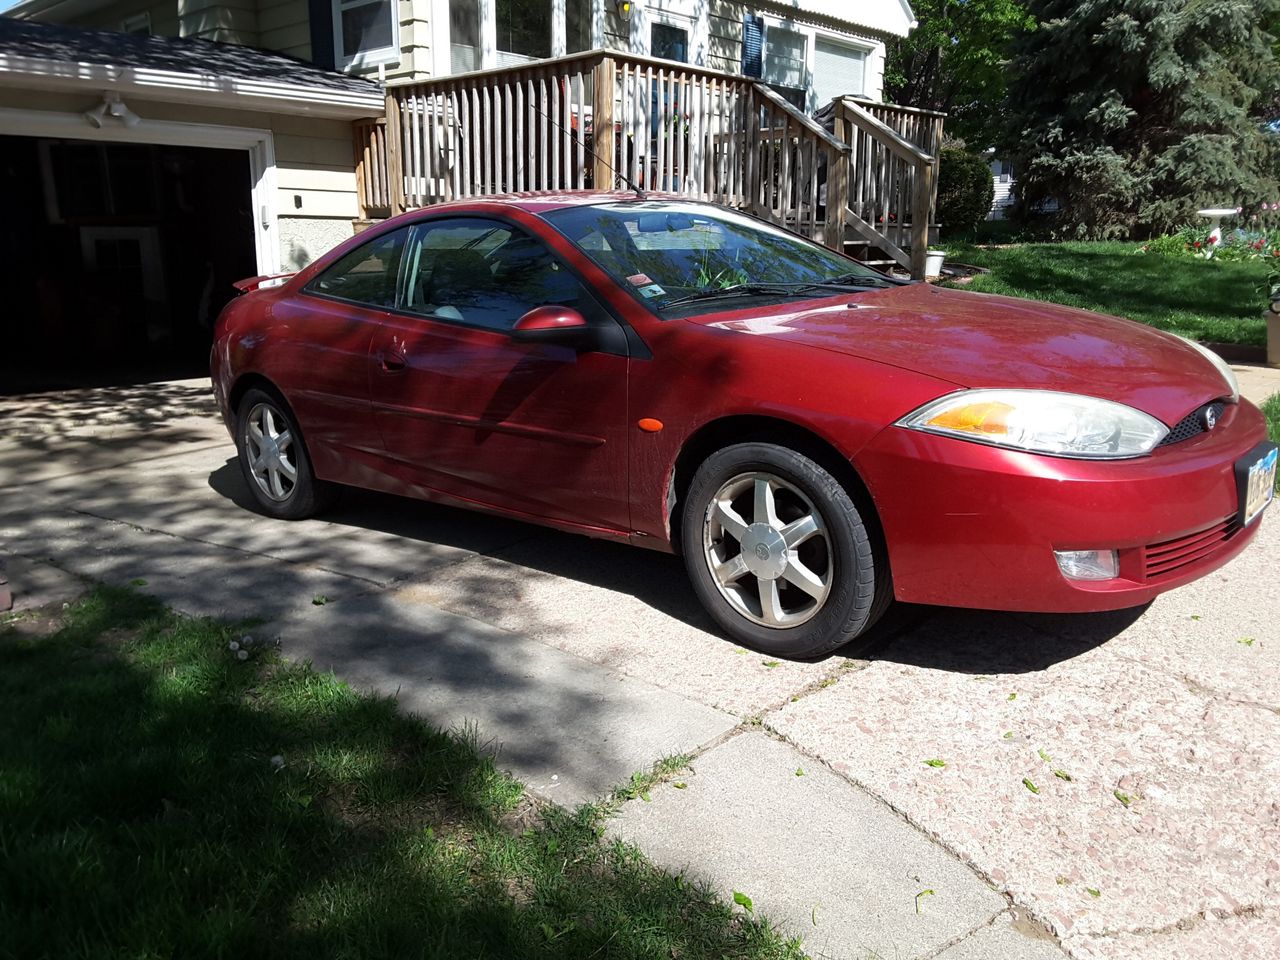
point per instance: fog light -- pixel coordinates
(1088, 564)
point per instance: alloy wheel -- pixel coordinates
(768, 550)
(269, 441)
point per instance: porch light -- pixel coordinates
(625, 9)
(112, 106)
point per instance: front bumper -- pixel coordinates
(975, 526)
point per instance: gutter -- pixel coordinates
(210, 90)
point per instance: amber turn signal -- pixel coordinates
(649, 425)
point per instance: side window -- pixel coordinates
(482, 273)
(367, 274)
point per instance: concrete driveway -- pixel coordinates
(1108, 785)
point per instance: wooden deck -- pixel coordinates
(605, 120)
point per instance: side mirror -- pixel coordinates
(552, 324)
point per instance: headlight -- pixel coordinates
(1222, 366)
(1041, 421)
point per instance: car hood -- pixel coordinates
(980, 340)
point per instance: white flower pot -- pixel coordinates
(1273, 339)
(933, 260)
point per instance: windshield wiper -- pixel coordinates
(789, 289)
(856, 280)
(741, 290)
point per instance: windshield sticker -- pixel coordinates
(639, 279)
(651, 291)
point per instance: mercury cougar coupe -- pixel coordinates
(816, 439)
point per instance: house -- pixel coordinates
(1002, 178)
(171, 146)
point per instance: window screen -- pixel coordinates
(784, 57)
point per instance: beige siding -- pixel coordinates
(285, 25)
(164, 16)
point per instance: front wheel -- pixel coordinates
(778, 552)
(274, 460)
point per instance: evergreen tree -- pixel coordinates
(1132, 114)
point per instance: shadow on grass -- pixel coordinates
(142, 814)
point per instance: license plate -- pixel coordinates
(1256, 475)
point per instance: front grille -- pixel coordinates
(1165, 559)
(1193, 424)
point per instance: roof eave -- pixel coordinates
(171, 86)
(895, 20)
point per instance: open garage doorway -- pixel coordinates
(119, 257)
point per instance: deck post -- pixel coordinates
(837, 184)
(395, 156)
(602, 124)
(921, 204)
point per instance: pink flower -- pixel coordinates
(1212, 240)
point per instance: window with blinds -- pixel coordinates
(838, 70)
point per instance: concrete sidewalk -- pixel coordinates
(582, 662)
(1256, 381)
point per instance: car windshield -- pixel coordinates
(682, 258)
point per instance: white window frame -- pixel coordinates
(673, 13)
(442, 63)
(380, 56)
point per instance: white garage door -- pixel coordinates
(838, 69)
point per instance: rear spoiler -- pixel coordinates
(253, 283)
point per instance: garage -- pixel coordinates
(152, 173)
(121, 259)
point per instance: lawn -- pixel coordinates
(160, 796)
(1201, 299)
(1271, 410)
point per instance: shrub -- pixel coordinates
(965, 190)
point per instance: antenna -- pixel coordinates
(631, 185)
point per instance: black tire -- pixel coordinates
(297, 497)
(858, 588)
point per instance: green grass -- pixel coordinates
(1201, 299)
(1271, 410)
(143, 814)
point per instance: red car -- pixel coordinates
(816, 439)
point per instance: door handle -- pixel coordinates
(392, 362)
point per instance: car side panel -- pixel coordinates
(700, 374)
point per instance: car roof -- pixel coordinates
(540, 203)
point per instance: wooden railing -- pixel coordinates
(605, 120)
(891, 187)
(373, 182)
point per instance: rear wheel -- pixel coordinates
(778, 552)
(274, 460)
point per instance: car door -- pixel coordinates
(466, 410)
(320, 351)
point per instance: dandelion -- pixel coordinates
(233, 646)
(242, 654)
(277, 762)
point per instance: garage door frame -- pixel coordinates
(258, 142)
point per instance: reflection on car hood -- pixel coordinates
(980, 340)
